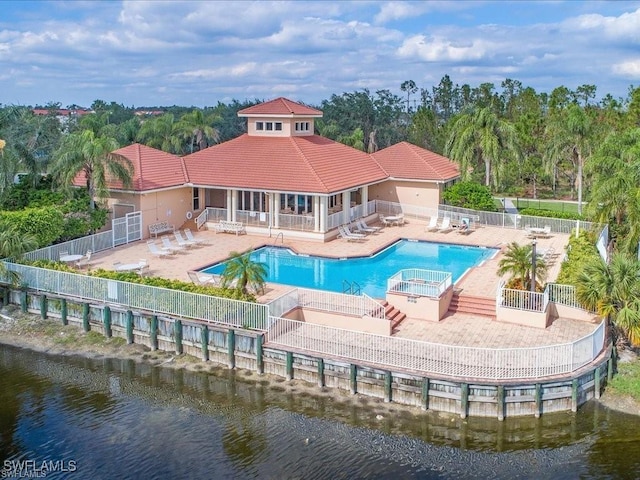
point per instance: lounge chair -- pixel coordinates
(158, 251)
(433, 224)
(358, 229)
(181, 240)
(166, 243)
(348, 236)
(446, 225)
(144, 267)
(362, 224)
(191, 237)
(204, 279)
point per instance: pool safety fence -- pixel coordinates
(333, 302)
(423, 283)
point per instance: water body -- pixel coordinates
(127, 420)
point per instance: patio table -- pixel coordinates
(397, 219)
(70, 258)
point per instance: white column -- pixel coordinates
(316, 213)
(364, 196)
(276, 209)
(346, 206)
(234, 204)
(324, 213)
(229, 205)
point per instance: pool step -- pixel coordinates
(392, 314)
(484, 306)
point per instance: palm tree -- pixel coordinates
(613, 291)
(480, 135)
(247, 272)
(517, 261)
(198, 129)
(13, 245)
(93, 156)
(162, 133)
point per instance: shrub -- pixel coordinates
(45, 224)
(470, 195)
(580, 251)
(538, 212)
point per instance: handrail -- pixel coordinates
(202, 218)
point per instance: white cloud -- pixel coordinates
(629, 69)
(625, 26)
(437, 49)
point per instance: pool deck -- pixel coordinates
(457, 329)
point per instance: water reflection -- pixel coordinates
(135, 420)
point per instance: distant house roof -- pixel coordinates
(61, 112)
(310, 164)
(280, 107)
(407, 161)
(152, 169)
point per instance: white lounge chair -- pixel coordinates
(363, 224)
(181, 240)
(433, 224)
(158, 251)
(348, 236)
(191, 237)
(166, 243)
(204, 279)
(364, 228)
(144, 267)
(358, 230)
(446, 225)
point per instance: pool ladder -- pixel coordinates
(350, 288)
(279, 236)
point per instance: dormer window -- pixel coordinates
(259, 125)
(302, 126)
(269, 126)
(278, 126)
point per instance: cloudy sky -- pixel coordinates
(148, 53)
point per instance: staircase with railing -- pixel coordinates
(471, 304)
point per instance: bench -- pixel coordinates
(224, 226)
(160, 227)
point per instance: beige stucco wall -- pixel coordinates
(570, 312)
(288, 127)
(422, 308)
(368, 325)
(166, 206)
(523, 317)
(424, 194)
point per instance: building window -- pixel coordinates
(302, 126)
(269, 126)
(196, 199)
(278, 125)
(259, 126)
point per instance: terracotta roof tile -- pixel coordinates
(152, 169)
(310, 164)
(279, 106)
(408, 161)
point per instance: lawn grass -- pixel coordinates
(627, 379)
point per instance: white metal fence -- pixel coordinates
(432, 358)
(357, 305)
(424, 283)
(156, 300)
(252, 218)
(96, 243)
(564, 295)
(523, 300)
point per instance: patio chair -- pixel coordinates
(359, 230)
(446, 225)
(144, 267)
(191, 237)
(384, 221)
(348, 231)
(84, 261)
(158, 251)
(433, 224)
(364, 225)
(181, 240)
(166, 243)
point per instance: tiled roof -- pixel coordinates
(152, 169)
(407, 161)
(279, 106)
(310, 164)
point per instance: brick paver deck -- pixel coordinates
(458, 329)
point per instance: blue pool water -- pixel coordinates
(371, 273)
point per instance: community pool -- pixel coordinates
(369, 273)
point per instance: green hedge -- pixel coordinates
(580, 251)
(537, 212)
(45, 224)
(469, 195)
